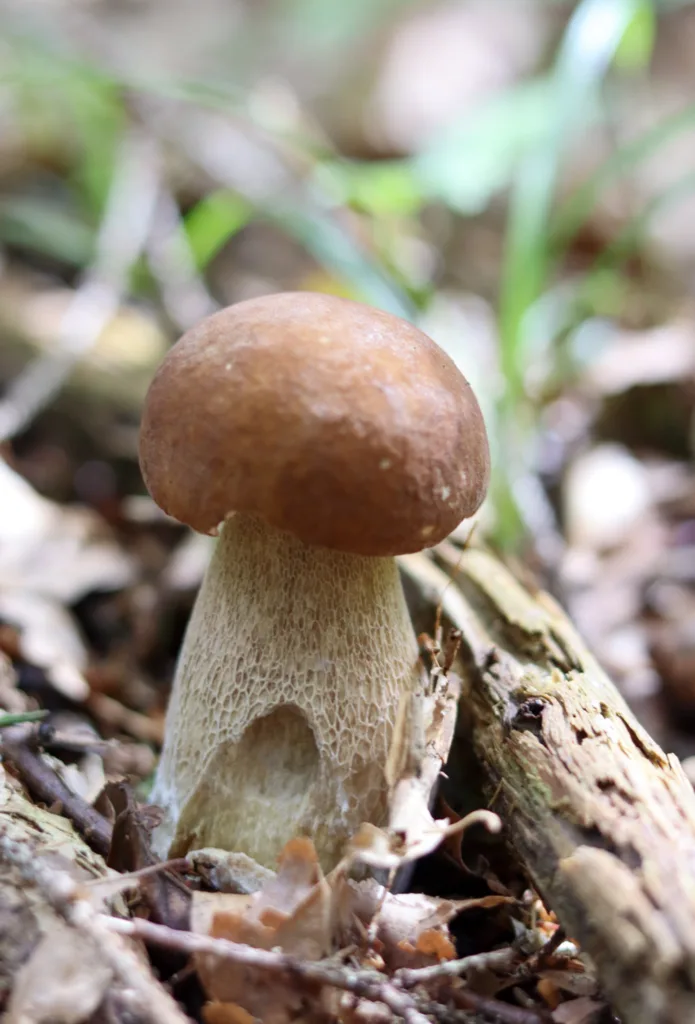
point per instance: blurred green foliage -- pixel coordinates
(514, 146)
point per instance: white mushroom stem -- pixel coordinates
(286, 698)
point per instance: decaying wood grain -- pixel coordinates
(602, 819)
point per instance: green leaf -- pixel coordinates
(326, 24)
(577, 207)
(635, 49)
(586, 53)
(386, 188)
(335, 250)
(47, 227)
(477, 157)
(212, 222)
(21, 717)
(96, 113)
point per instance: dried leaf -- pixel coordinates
(48, 638)
(433, 943)
(578, 1011)
(50, 557)
(578, 983)
(293, 912)
(298, 872)
(63, 981)
(166, 899)
(412, 832)
(419, 833)
(226, 1013)
(411, 928)
(58, 552)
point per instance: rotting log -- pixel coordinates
(602, 820)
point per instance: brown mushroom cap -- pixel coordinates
(341, 424)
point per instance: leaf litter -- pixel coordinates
(355, 945)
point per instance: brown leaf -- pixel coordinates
(402, 921)
(433, 943)
(226, 1013)
(548, 993)
(293, 912)
(166, 898)
(298, 873)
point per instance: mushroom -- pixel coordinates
(320, 438)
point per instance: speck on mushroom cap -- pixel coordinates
(341, 424)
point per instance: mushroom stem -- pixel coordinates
(286, 697)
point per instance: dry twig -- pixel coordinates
(408, 977)
(44, 785)
(365, 984)
(495, 1010)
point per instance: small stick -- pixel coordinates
(495, 1009)
(408, 977)
(43, 784)
(540, 959)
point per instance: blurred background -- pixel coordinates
(516, 176)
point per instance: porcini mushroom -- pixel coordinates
(322, 438)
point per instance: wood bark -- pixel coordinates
(601, 818)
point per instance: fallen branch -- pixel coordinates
(602, 819)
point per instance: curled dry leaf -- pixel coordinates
(410, 929)
(412, 832)
(419, 835)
